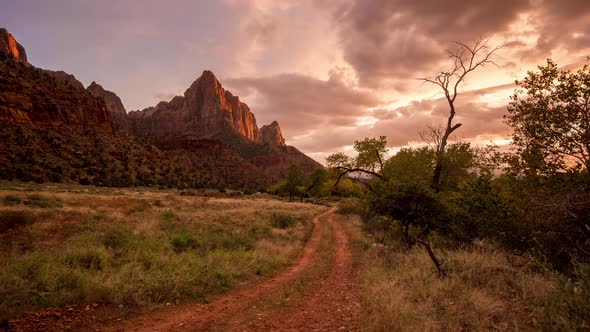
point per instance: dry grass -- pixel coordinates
(485, 289)
(137, 247)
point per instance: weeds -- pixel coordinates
(11, 200)
(279, 219)
(42, 201)
(11, 219)
(111, 246)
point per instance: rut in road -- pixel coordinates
(328, 303)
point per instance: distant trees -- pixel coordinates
(314, 181)
(294, 181)
(550, 118)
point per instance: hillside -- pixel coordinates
(53, 129)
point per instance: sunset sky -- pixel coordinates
(328, 71)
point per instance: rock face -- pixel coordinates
(114, 106)
(30, 95)
(206, 109)
(53, 129)
(10, 47)
(66, 79)
(271, 134)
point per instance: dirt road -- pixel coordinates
(318, 293)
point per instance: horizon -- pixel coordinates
(355, 80)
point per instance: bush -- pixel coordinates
(86, 259)
(117, 238)
(183, 242)
(279, 219)
(349, 206)
(11, 200)
(42, 201)
(12, 219)
(568, 305)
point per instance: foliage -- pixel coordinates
(568, 306)
(11, 200)
(280, 219)
(295, 180)
(550, 118)
(371, 153)
(43, 201)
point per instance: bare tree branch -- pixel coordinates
(465, 59)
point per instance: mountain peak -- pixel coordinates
(10, 47)
(271, 134)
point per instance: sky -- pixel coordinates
(329, 71)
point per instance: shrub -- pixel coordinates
(12, 219)
(218, 238)
(279, 219)
(183, 242)
(88, 259)
(349, 206)
(11, 200)
(568, 305)
(117, 238)
(42, 201)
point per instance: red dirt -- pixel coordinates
(329, 303)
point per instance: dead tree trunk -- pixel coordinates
(465, 59)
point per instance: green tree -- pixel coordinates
(365, 166)
(550, 118)
(294, 180)
(314, 181)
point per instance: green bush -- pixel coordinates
(117, 238)
(279, 219)
(215, 238)
(183, 242)
(568, 305)
(11, 200)
(42, 201)
(349, 206)
(88, 259)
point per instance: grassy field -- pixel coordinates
(69, 244)
(486, 288)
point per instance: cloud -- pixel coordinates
(303, 104)
(385, 39)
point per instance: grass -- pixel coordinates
(486, 289)
(280, 219)
(76, 245)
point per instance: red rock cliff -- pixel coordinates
(114, 105)
(206, 109)
(10, 47)
(271, 134)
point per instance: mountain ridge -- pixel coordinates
(54, 129)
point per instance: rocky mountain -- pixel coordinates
(205, 109)
(53, 129)
(271, 134)
(10, 47)
(34, 96)
(114, 105)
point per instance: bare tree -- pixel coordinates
(465, 59)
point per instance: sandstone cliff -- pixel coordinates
(52, 129)
(205, 109)
(271, 134)
(30, 95)
(9, 47)
(114, 106)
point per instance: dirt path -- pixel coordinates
(327, 303)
